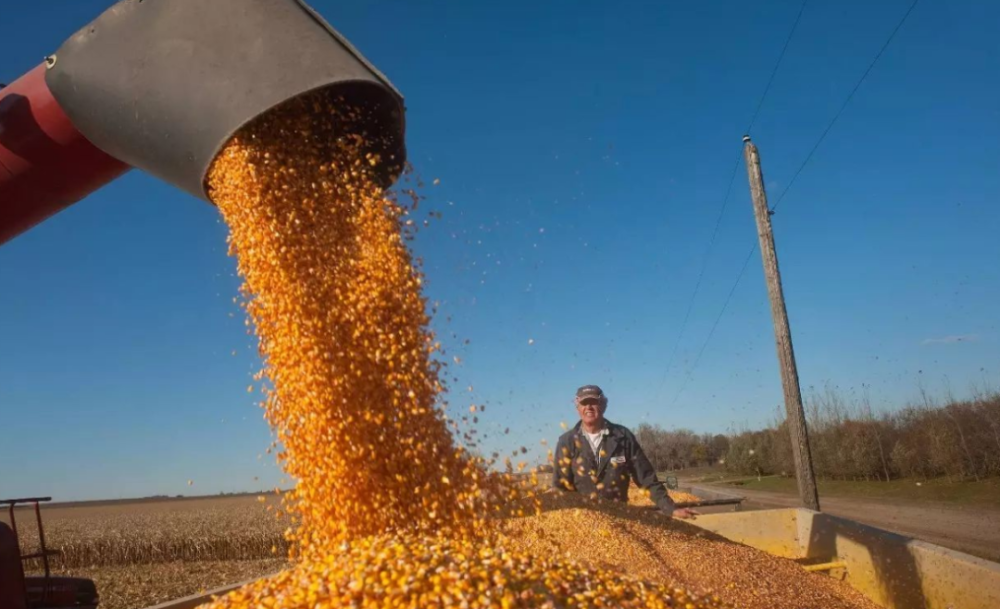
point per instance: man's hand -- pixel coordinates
(685, 514)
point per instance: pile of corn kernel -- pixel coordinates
(403, 570)
(627, 539)
(388, 511)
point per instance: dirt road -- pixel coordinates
(972, 530)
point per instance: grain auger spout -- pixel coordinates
(162, 85)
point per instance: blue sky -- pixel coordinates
(583, 149)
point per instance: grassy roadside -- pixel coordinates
(978, 494)
(982, 494)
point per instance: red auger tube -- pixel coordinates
(46, 165)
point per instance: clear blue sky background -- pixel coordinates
(584, 149)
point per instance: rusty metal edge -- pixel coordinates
(189, 602)
(710, 493)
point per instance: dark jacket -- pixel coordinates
(622, 460)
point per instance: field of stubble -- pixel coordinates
(145, 552)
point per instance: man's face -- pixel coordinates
(591, 410)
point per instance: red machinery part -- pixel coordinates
(46, 165)
(12, 590)
(162, 86)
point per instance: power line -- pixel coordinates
(777, 65)
(715, 325)
(847, 100)
(701, 276)
(798, 171)
(725, 202)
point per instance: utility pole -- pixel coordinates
(782, 333)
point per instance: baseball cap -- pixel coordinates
(589, 391)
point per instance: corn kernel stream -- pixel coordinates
(387, 511)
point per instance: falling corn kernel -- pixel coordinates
(326, 278)
(389, 510)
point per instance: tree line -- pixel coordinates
(678, 449)
(957, 439)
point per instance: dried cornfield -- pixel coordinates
(190, 530)
(154, 532)
(148, 532)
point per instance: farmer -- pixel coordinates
(598, 458)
